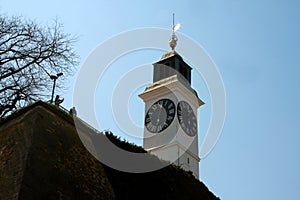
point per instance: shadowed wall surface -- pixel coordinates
(42, 157)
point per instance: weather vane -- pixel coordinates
(173, 40)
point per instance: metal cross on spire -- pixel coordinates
(174, 39)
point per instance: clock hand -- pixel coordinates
(159, 112)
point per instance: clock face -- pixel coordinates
(187, 118)
(160, 115)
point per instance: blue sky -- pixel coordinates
(256, 47)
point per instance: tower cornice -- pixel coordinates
(172, 83)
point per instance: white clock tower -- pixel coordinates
(171, 124)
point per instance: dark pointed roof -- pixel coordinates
(170, 54)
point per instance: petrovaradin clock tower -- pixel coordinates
(171, 124)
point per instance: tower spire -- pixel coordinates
(174, 39)
(173, 20)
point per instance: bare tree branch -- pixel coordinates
(29, 54)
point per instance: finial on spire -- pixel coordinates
(173, 40)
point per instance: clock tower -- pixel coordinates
(171, 124)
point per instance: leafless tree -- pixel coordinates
(29, 54)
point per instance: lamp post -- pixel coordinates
(54, 78)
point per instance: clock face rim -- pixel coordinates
(182, 121)
(170, 116)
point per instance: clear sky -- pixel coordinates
(256, 47)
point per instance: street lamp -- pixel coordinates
(54, 78)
